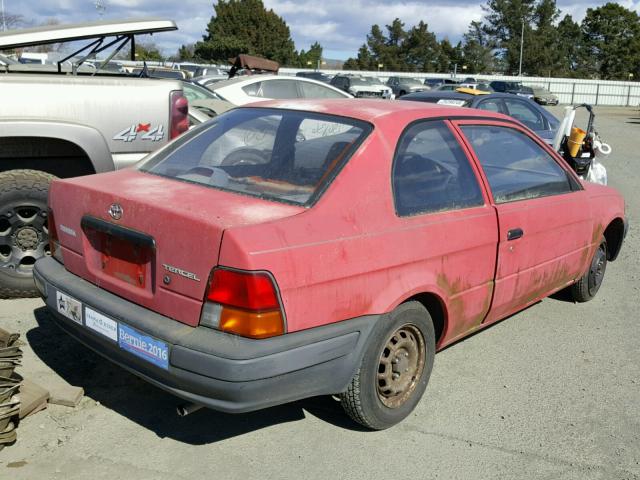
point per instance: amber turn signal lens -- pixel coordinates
(251, 324)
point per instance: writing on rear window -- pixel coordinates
(274, 154)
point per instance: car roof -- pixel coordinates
(453, 95)
(371, 110)
(262, 77)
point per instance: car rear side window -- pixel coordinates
(282, 155)
(278, 89)
(516, 166)
(525, 113)
(431, 173)
(312, 90)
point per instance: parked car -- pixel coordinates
(514, 88)
(208, 80)
(542, 96)
(319, 76)
(361, 87)
(253, 88)
(204, 100)
(403, 85)
(238, 273)
(483, 87)
(160, 72)
(434, 83)
(527, 111)
(64, 125)
(447, 87)
(206, 71)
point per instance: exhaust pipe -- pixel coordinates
(187, 408)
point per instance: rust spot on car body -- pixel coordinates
(461, 316)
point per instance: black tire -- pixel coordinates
(24, 236)
(589, 284)
(401, 93)
(370, 398)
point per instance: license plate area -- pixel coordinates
(120, 253)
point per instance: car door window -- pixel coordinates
(431, 173)
(491, 104)
(312, 90)
(279, 89)
(515, 165)
(525, 113)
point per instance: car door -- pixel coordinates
(529, 115)
(543, 214)
(446, 232)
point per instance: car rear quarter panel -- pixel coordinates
(350, 255)
(606, 205)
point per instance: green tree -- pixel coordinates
(420, 49)
(541, 55)
(449, 56)
(611, 40)
(312, 58)
(478, 50)
(569, 41)
(504, 23)
(246, 26)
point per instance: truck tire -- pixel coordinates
(395, 369)
(24, 236)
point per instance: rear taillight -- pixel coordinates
(178, 114)
(243, 303)
(54, 243)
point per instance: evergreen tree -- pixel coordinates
(611, 39)
(478, 50)
(246, 26)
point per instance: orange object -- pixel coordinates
(251, 324)
(576, 140)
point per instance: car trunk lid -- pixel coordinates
(149, 239)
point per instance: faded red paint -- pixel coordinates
(349, 255)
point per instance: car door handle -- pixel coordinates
(514, 233)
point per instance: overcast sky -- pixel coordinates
(340, 26)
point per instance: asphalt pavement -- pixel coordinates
(551, 393)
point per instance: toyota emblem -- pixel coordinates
(115, 211)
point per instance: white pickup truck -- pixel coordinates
(65, 121)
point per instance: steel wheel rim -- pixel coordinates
(597, 269)
(400, 366)
(24, 237)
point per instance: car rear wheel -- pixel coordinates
(24, 236)
(395, 369)
(589, 284)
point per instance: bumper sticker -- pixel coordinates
(69, 307)
(101, 324)
(143, 346)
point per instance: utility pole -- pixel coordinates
(521, 45)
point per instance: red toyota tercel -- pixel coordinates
(294, 249)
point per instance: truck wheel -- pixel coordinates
(395, 369)
(401, 93)
(23, 229)
(589, 284)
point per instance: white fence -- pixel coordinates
(569, 90)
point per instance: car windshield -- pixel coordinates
(412, 81)
(282, 155)
(360, 82)
(373, 80)
(513, 85)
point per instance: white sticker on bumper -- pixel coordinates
(69, 307)
(101, 324)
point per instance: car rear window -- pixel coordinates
(281, 155)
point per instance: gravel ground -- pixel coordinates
(551, 393)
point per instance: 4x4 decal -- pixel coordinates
(145, 130)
